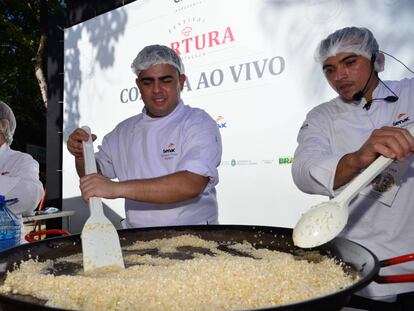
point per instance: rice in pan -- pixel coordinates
(182, 273)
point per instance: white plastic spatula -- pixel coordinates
(100, 240)
(325, 221)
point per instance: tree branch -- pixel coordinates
(39, 59)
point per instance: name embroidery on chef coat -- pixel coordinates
(169, 152)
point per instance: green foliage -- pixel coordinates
(19, 33)
(20, 30)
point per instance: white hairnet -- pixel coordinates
(155, 55)
(7, 122)
(356, 40)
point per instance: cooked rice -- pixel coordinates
(215, 280)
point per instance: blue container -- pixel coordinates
(9, 225)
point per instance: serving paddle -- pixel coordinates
(100, 241)
(326, 220)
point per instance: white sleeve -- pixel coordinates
(202, 149)
(314, 163)
(22, 182)
(104, 158)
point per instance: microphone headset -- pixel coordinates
(358, 95)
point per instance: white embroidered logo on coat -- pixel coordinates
(401, 119)
(169, 152)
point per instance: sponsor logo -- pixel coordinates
(170, 149)
(220, 122)
(276, 161)
(169, 153)
(186, 4)
(285, 160)
(401, 119)
(235, 162)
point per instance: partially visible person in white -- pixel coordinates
(19, 172)
(342, 137)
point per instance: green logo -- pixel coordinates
(285, 160)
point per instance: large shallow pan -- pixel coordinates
(357, 258)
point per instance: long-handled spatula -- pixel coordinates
(325, 221)
(100, 240)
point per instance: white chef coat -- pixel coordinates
(141, 147)
(19, 178)
(336, 128)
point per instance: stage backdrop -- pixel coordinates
(249, 65)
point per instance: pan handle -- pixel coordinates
(401, 278)
(30, 237)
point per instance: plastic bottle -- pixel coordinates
(9, 225)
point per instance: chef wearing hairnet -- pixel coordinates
(165, 158)
(19, 172)
(342, 137)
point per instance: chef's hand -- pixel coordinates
(96, 185)
(74, 143)
(391, 142)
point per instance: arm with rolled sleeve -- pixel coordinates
(315, 163)
(195, 173)
(20, 179)
(202, 149)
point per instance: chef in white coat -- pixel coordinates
(19, 172)
(343, 136)
(165, 158)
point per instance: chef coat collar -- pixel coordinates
(3, 148)
(177, 108)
